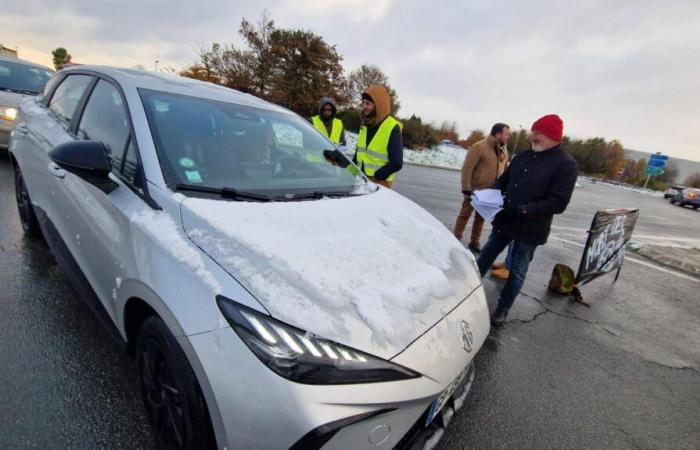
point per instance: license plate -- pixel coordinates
(440, 402)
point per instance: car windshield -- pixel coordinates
(22, 78)
(206, 145)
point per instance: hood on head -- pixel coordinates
(376, 289)
(327, 101)
(381, 99)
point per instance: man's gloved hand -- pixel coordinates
(509, 212)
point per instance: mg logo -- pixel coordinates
(467, 337)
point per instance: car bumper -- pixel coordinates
(252, 407)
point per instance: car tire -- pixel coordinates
(27, 216)
(172, 396)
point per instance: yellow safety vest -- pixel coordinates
(375, 155)
(336, 130)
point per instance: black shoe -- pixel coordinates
(474, 247)
(498, 318)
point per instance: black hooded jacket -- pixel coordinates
(328, 122)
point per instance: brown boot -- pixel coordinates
(498, 265)
(501, 273)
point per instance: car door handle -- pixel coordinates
(56, 170)
(21, 129)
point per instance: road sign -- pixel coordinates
(659, 157)
(656, 163)
(654, 171)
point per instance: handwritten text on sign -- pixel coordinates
(608, 237)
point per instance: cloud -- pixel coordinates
(625, 69)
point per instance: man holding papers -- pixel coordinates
(536, 185)
(485, 162)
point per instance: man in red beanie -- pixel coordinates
(537, 184)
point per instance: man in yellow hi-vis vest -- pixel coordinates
(379, 151)
(326, 122)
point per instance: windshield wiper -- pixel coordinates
(19, 91)
(317, 195)
(226, 192)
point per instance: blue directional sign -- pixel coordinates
(654, 171)
(656, 164)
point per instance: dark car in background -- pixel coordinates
(671, 191)
(687, 197)
(18, 79)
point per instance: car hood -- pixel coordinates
(12, 99)
(373, 272)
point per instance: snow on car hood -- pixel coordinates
(373, 272)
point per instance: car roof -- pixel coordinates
(159, 81)
(24, 62)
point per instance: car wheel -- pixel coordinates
(174, 401)
(27, 217)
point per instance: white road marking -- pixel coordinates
(638, 261)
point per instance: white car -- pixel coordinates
(273, 297)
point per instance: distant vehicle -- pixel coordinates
(18, 79)
(203, 226)
(687, 197)
(672, 191)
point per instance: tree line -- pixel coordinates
(294, 68)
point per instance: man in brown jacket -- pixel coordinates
(485, 162)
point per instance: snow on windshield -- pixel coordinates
(377, 260)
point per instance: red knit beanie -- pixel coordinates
(551, 126)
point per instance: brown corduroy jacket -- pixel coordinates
(485, 162)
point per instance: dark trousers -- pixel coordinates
(522, 254)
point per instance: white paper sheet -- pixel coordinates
(488, 203)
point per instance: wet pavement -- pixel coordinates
(624, 373)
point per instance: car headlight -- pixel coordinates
(299, 356)
(8, 113)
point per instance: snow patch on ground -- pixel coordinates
(626, 187)
(445, 156)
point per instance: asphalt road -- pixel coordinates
(624, 373)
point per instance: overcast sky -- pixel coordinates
(628, 70)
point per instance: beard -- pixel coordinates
(538, 147)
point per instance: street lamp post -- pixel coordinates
(517, 138)
(156, 65)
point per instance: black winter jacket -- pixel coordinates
(536, 185)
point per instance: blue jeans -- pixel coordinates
(509, 256)
(522, 254)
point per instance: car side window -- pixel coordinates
(50, 85)
(131, 162)
(104, 119)
(67, 96)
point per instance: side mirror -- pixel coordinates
(87, 159)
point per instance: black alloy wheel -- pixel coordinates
(173, 399)
(27, 217)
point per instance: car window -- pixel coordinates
(67, 96)
(104, 119)
(22, 78)
(50, 85)
(219, 144)
(131, 162)
(287, 134)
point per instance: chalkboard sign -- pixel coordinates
(610, 232)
